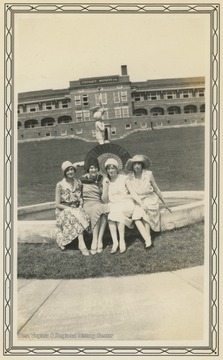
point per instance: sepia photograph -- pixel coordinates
(111, 179)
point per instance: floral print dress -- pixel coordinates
(72, 221)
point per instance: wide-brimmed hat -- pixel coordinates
(111, 161)
(138, 158)
(66, 165)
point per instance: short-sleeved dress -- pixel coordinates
(120, 203)
(93, 205)
(72, 221)
(144, 189)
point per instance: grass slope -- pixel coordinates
(177, 155)
(173, 250)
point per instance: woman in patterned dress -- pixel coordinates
(120, 204)
(93, 205)
(146, 194)
(71, 219)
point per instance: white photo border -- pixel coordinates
(10, 11)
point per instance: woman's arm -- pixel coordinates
(58, 199)
(133, 194)
(158, 192)
(105, 186)
(100, 125)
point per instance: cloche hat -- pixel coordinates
(66, 165)
(138, 158)
(111, 161)
(92, 161)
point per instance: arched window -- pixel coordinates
(190, 109)
(31, 123)
(47, 121)
(172, 110)
(157, 111)
(202, 108)
(64, 119)
(140, 112)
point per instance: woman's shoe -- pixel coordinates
(123, 250)
(114, 249)
(62, 247)
(84, 252)
(149, 246)
(99, 250)
(93, 251)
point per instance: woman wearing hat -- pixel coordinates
(71, 219)
(146, 194)
(120, 204)
(93, 205)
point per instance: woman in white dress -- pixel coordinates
(120, 204)
(146, 194)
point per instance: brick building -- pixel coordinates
(130, 106)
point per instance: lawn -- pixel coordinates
(173, 250)
(177, 155)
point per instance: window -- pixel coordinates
(86, 115)
(63, 104)
(144, 125)
(105, 115)
(113, 130)
(116, 97)
(77, 100)
(48, 134)
(153, 96)
(124, 96)
(185, 94)
(102, 96)
(200, 93)
(138, 97)
(79, 131)
(93, 133)
(118, 112)
(32, 107)
(85, 99)
(128, 126)
(79, 116)
(49, 105)
(63, 132)
(170, 95)
(121, 112)
(125, 111)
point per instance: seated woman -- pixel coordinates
(71, 219)
(146, 194)
(120, 204)
(94, 207)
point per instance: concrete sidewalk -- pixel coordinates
(163, 306)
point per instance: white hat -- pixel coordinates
(111, 161)
(67, 164)
(138, 158)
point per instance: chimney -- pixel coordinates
(124, 70)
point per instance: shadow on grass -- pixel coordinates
(173, 250)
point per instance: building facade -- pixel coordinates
(130, 106)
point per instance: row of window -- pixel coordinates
(118, 97)
(158, 95)
(79, 100)
(83, 116)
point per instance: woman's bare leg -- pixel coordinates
(113, 231)
(144, 231)
(103, 222)
(82, 245)
(94, 243)
(122, 244)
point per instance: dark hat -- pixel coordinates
(92, 161)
